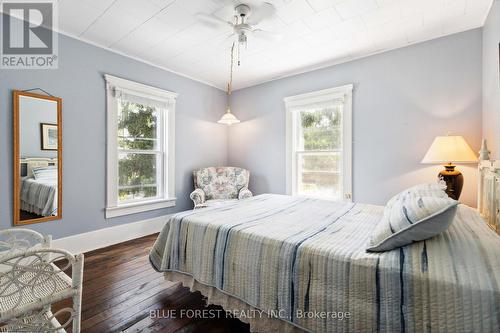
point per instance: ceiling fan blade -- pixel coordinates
(225, 2)
(267, 35)
(262, 12)
(213, 21)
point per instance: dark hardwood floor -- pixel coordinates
(24, 215)
(120, 289)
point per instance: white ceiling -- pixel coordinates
(316, 32)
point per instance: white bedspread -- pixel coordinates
(305, 260)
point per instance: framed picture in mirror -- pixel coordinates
(37, 158)
(48, 135)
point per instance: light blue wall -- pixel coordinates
(491, 80)
(402, 100)
(200, 141)
(33, 112)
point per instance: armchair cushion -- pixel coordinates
(221, 182)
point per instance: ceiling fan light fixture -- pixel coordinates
(242, 39)
(245, 21)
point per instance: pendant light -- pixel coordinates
(228, 118)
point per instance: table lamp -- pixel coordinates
(448, 150)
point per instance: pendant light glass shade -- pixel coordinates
(228, 118)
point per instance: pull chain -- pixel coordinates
(239, 54)
(231, 71)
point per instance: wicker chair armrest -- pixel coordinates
(36, 280)
(16, 240)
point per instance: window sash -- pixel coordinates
(117, 88)
(126, 187)
(313, 152)
(341, 98)
(159, 110)
(136, 138)
(160, 152)
(300, 131)
(160, 174)
(299, 171)
(139, 151)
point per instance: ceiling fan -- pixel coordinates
(247, 15)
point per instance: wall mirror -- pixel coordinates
(37, 158)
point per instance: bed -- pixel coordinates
(301, 265)
(38, 195)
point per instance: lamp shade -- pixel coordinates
(449, 149)
(228, 118)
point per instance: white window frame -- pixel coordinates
(167, 195)
(292, 104)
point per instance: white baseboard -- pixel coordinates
(97, 239)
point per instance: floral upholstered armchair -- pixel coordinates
(219, 184)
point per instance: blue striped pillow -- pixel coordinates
(45, 173)
(410, 218)
(422, 190)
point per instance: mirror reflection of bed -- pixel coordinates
(37, 156)
(38, 187)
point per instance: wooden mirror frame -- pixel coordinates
(17, 169)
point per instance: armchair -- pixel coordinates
(219, 184)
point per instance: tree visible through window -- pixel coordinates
(139, 151)
(140, 154)
(319, 143)
(319, 151)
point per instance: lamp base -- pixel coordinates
(454, 181)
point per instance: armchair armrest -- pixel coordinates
(198, 196)
(244, 193)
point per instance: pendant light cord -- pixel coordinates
(230, 84)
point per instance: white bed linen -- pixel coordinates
(297, 255)
(39, 196)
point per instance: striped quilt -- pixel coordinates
(39, 196)
(305, 260)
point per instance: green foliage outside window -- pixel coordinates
(320, 131)
(137, 130)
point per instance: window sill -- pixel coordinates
(139, 207)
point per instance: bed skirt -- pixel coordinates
(260, 321)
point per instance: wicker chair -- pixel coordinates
(30, 282)
(219, 184)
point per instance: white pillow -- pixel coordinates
(45, 173)
(410, 217)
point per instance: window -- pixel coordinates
(140, 147)
(319, 144)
